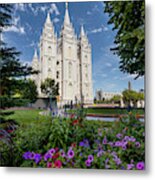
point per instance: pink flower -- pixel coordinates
(58, 164)
(49, 164)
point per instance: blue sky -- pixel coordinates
(28, 20)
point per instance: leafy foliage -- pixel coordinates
(132, 96)
(128, 18)
(50, 88)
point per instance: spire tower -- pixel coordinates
(67, 18)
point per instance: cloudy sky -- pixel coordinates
(28, 20)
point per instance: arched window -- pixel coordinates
(57, 75)
(49, 48)
(57, 62)
(70, 70)
(69, 51)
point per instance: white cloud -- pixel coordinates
(108, 64)
(33, 44)
(98, 30)
(34, 10)
(89, 13)
(54, 9)
(20, 7)
(16, 27)
(104, 75)
(130, 76)
(43, 8)
(114, 69)
(56, 20)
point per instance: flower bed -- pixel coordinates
(82, 144)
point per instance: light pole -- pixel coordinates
(50, 98)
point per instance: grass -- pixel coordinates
(113, 111)
(25, 117)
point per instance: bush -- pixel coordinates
(7, 102)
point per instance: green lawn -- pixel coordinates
(113, 111)
(28, 116)
(110, 111)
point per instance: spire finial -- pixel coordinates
(66, 5)
(35, 54)
(82, 31)
(48, 19)
(67, 19)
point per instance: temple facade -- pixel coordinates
(67, 59)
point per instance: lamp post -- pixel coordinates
(50, 98)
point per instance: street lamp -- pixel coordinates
(49, 90)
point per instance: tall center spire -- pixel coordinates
(67, 19)
(48, 19)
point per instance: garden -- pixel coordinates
(73, 142)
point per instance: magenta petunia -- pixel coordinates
(91, 158)
(140, 165)
(87, 163)
(70, 153)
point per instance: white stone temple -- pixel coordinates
(66, 59)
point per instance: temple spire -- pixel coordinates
(48, 19)
(67, 19)
(82, 31)
(35, 55)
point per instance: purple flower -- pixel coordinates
(118, 161)
(140, 166)
(100, 153)
(81, 154)
(81, 143)
(70, 153)
(91, 158)
(97, 141)
(137, 144)
(126, 138)
(87, 163)
(119, 135)
(62, 153)
(111, 144)
(132, 139)
(37, 158)
(130, 166)
(26, 155)
(29, 155)
(107, 160)
(104, 140)
(124, 147)
(86, 142)
(118, 143)
(47, 156)
(52, 151)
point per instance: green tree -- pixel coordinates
(116, 99)
(29, 90)
(132, 96)
(50, 88)
(10, 65)
(128, 18)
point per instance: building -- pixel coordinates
(101, 95)
(66, 59)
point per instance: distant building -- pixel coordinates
(101, 95)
